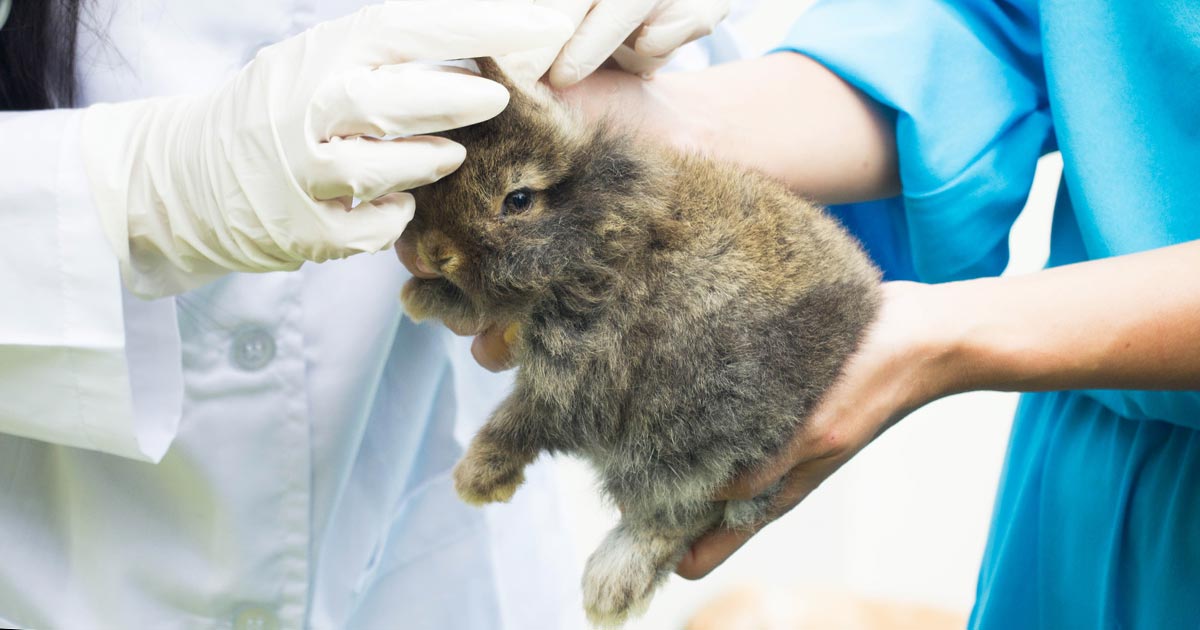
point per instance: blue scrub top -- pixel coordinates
(1097, 521)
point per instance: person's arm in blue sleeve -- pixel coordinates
(784, 115)
(971, 121)
(965, 170)
(943, 98)
(965, 82)
(1046, 331)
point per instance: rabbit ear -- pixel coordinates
(532, 95)
(516, 85)
(489, 69)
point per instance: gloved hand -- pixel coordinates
(259, 175)
(640, 35)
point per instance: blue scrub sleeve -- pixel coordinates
(965, 83)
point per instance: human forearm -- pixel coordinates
(784, 115)
(1129, 322)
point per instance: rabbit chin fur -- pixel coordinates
(676, 321)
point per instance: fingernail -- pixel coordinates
(510, 333)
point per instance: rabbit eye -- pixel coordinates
(517, 201)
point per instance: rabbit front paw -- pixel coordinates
(437, 298)
(486, 478)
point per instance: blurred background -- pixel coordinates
(905, 522)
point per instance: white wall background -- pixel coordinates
(907, 519)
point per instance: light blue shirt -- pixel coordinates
(1097, 522)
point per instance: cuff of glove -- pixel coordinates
(123, 168)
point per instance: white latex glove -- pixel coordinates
(640, 35)
(258, 176)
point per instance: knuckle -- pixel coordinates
(320, 173)
(823, 440)
(365, 18)
(834, 442)
(317, 242)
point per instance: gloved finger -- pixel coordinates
(402, 100)
(528, 66)
(601, 32)
(368, 168)
(678, 24)
(531, 65)
(437, 30)
(373, 225)
(635, 63)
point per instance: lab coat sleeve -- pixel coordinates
(964, 82)
(82, 363)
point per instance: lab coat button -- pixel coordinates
(253, 618)
(253, 349)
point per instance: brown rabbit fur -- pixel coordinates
(674, 320)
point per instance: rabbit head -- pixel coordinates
(544, 211)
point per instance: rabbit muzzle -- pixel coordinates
(438, 254)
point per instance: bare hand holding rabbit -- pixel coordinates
(901, 365)
(1035, 332)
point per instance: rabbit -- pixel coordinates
(674, 320)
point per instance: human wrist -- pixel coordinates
(133, 152)
(944, 339)
(986, 342)
(928, 335)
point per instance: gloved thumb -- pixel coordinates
(637, 63)
(530, 65)
(399, 32)
(376, 225)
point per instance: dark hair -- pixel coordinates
(37, 55)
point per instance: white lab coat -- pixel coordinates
(269, 451)
(310, 426)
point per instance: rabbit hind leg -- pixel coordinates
(623, 573)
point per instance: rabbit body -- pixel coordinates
(674, 320)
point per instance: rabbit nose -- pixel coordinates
(437, 256)
(406, 248)
(425, 268)
(443, 261)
